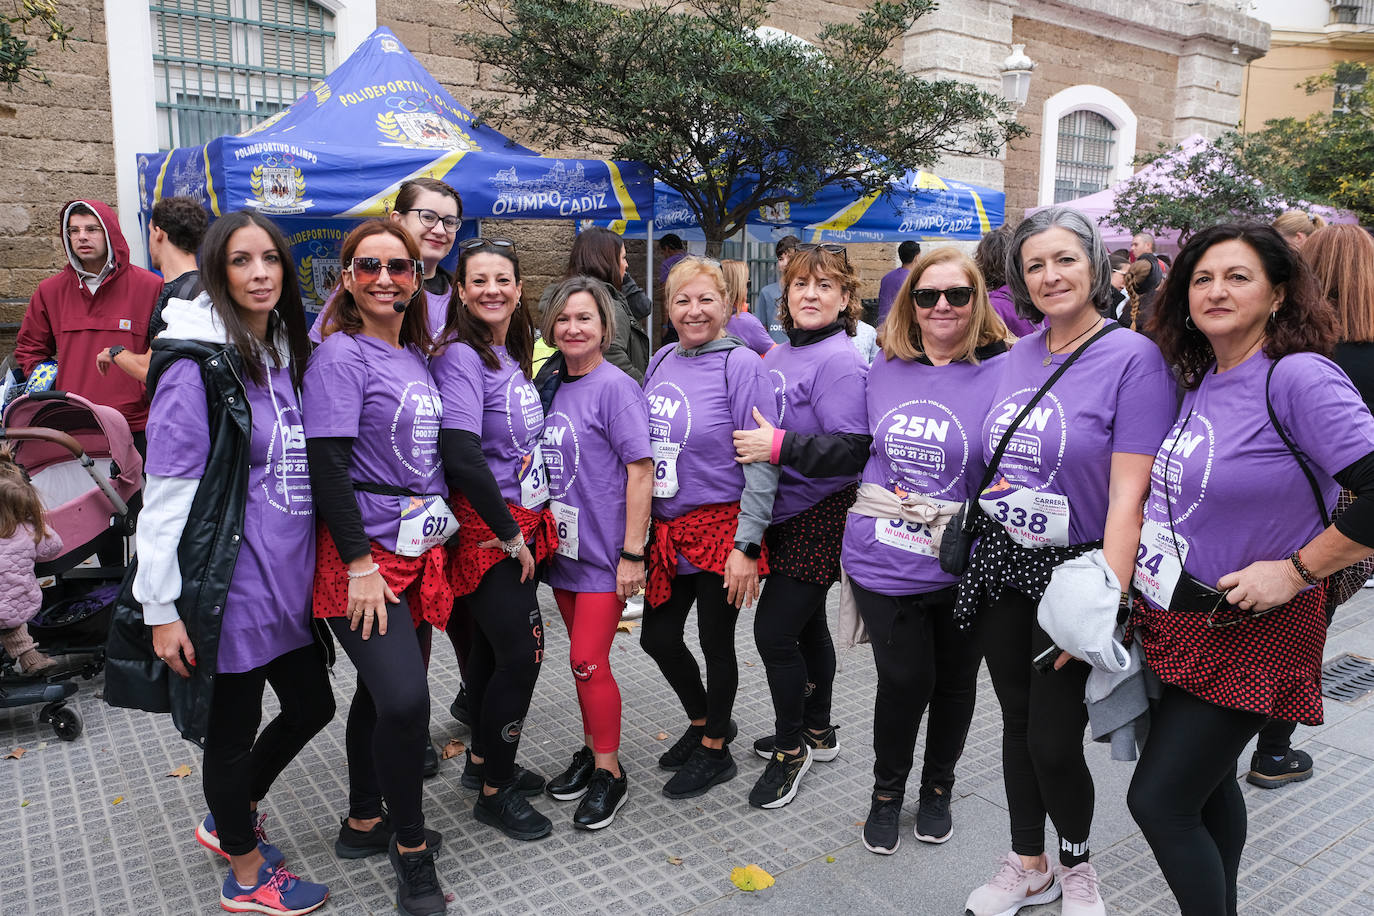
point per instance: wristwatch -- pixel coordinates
(749, 549)
(116, 350)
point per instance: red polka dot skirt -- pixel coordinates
(703, 537)
(425, 577)
(468, 563)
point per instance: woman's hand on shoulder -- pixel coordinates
(752, 445)
(1262, 585)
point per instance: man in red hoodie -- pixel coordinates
(98, 299)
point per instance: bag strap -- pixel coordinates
(1049, 383)
(1306, 471)
(387, 489)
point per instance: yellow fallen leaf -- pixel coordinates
(181, 772)
(751, 878)
(24, 803)
(830, 859)
(675, 860)
(16, 753)
(452, 749)
(749, 664)
(118, 799)
(626, 626)
(661, 736)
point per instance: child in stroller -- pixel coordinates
(24, 540)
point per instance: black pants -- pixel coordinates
(1276, 737)
(388, 723)
(1185, 797)
(503, 666)
(798, 655)
(1043, 718)
(923, 661)
(240, 764)
(663, 638)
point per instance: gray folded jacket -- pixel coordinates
(1119, 706)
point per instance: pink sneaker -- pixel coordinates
(1081, 896)
(1012, 888)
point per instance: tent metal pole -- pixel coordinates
(649, 279)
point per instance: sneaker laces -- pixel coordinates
(599, 787)
(936, 800)
(417, 870)
(281, 880)
(258, 831)
(885, 812)
(1080, 883)
(687, 743)
(1010, 875)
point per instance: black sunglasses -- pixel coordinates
(828, 247)
(429, 219)
(480, 242)
(368, 269)
(956, 296)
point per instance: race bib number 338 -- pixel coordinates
(1031, 518)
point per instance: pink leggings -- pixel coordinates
(591, 619)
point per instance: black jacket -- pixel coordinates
(135, 677)
(629, 349)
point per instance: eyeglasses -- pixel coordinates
(480, 242)
(429, 219)
(827, 247)
(365, 270)
(956, 296)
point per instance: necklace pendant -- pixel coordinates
(1048, 360)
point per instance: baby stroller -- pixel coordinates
(82, 461)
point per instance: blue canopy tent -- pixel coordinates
(340, 153)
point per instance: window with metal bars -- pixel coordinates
(223, 66)
(1084, 161)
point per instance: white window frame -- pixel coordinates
(1091, 98)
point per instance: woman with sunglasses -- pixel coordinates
(492, 426)
(710, 513)
(820, 444)
(742, 323)
(1231, 608)
(372, 415)
(1072, 480)
(927, 395)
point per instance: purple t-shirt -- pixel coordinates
(820, 390)
(888, 289)
(597, 425)
(1051, 485)
(386, 402)
(267, 609)
(925, 421)
(436, 312)
(750, 330)
(502, 407)
(1005, 307)
(1237, 493)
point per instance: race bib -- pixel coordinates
(425, 522)
(534, 480)
(665, 468)
(1031, 518)
(913, 537)
(1159, 563)
(566, 518)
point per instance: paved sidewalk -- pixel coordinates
(68, 848)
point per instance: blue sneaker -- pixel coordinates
(207, 836)
(277, 891)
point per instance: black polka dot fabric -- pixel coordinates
(806, 547)
(998, 562)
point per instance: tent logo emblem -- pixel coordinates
(318, 277)
(278, 188)
(423, 129)
(779, 213)
(391, 46)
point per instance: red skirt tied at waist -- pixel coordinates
(703, 537)
(469, 563)
(426, 576)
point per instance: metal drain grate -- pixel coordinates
(1347, 677)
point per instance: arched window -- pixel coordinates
(222, 66)
(1084, 161)
(1087, 143)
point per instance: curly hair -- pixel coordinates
(823, 265)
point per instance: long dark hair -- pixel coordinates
(465, 327)
(596, 253)
(214, 274)
(1305, 322)
(344, 316)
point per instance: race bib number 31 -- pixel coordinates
(1032, 519)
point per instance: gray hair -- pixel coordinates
(1083, 229)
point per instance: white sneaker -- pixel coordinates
(634, 608)
(1081, 896)
(1012, 888)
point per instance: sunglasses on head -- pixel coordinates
(368, 269)
(480, 242)
(956, 296)
(827, 247)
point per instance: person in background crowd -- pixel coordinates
(25, 540)
(226, 550)
(865, 341)
(1142, 243)
(1142, 284)
(767, 309)
(372, 415)
(942, 346)
(710, 515)
(742, 324)
(991, 259)
(596, 446)
(671, 249)
(175, 230)
(1295, 226)
(1231, 613)
(820, 443)
(1165, 262)
(892, 281)
(1074, 482)
(1119, 264)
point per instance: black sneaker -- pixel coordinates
(825, 747)
(933, 821)
(459, 709)
(526, 782)
(431, 761)
(1268, 773)
(706, 767)
(510, 812)
(781, 779)
(677, 755)
(881, 833)
(572, 782)
(359, 844)
(417, 884)
(605, 796)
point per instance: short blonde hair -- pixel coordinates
(736, 282)
(900, 335)
(559, 304)
(1291, 222)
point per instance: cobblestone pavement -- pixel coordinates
(97, 825)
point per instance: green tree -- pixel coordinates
(731, 120)
(16, 54)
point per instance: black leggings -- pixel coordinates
(1043, 718)
(388, 723)
(663, 638)
(239, 769)
(1276, 737)
(798, 656)
(503, 666)
(1185, 797)
(922, 659)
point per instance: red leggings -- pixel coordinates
(591, 619)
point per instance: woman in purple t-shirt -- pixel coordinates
(709, 516)
(742, 323)
(1231, 509)
(231, 359)
(820, 444)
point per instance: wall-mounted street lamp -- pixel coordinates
(1016, 76)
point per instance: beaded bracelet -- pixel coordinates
(375, 567)
(1302, 569)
